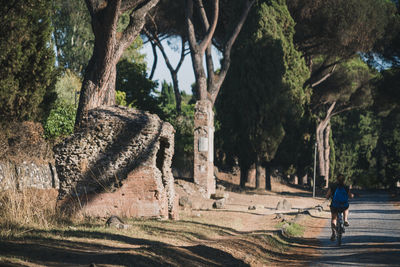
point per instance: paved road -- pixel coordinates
(373, 238)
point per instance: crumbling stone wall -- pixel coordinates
(26, 159)
(118, 163)
(22, 175)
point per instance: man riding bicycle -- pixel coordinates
(340, 194)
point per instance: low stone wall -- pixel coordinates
(118, 163)
(26, 159)
(27, 175)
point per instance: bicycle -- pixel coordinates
(339, 228)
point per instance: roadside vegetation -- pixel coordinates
(298, 81)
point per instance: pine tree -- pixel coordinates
(28, 74)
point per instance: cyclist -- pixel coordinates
(340, 194)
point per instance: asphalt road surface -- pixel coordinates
(373, 238)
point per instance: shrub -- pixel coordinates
(60, 122)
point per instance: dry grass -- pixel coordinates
(27, 208)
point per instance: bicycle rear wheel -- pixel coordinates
(339, 229)
(339, 238)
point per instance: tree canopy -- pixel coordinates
(264, 87)
(28, 73)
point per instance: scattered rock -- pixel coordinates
(252, 208)
(116, 222)
(279, 216)
(284, 205)
(220, 187)
(185, 202)
(287, 205)
(219, 204)
(319, 208)
(280, 205)
(299, 217)
(219, 194)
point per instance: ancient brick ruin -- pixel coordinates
(118, 163)
(203, 172)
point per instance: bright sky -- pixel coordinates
(185, 74)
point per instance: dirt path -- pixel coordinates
(373, 238)
(243, 233)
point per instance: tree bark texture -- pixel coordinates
(322, 138)
(268, 172)
(98, 86)
(260, 172)
(244, 172)
(327, 150)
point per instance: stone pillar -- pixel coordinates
(203, 172)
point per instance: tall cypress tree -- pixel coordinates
(264, 87)
(167, 94)
(28, 74)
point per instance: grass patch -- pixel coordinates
(291, 229)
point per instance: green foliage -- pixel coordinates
(339, 28)
(68, 87)
(355, 136)
(167, 96)
(60, 122)
(120, 98)
(72, 34)
(264, 86)
(27, 73)
(183, 124)
(389, 149)
(61, 119)
(140, 91)
(297, 147)
(291, 229)
(387, 97)
(74, 39)
(350, 85)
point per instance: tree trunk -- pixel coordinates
(327, 149)
(178, 97)
(93, 93)
(320, 148)
(268, 185)
(259, 173)
(98, 86)
(244, 170)
(323, 146)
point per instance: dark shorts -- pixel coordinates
(338, 210)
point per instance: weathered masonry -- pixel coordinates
(118, 163)
(204, 146)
